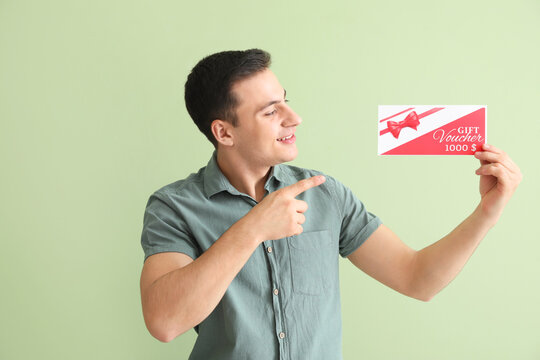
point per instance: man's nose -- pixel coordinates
(291, 118)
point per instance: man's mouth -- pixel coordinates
(285, 138)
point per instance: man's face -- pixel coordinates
(266, 124)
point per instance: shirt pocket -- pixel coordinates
(311, 262)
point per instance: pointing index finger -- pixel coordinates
(305, 184)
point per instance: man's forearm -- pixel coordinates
(183, 298)
(438, 264)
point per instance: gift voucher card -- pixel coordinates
(431, 129)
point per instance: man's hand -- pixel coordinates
(279, 214)
(499, 178)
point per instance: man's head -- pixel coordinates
(209, 91)
(239, 104)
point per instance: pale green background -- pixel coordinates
(93, 121)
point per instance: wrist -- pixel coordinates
(247, 230)
(485, 217)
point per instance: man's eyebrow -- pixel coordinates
(272, 102)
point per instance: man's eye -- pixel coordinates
(271, 113)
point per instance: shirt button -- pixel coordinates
(281, 335)
(269, 249)
(276, 291)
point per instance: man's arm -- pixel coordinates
(178, 293)
(419, 274)
(422, 274)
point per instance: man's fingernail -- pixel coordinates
(486, 146)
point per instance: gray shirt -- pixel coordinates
(285, 302)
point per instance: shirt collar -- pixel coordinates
(215, 182)
(277, 173)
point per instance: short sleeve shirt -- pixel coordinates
(285, 302)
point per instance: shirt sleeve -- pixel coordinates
(357, 224)
(164, 230)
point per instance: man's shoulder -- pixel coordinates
(298, 173)
(193, 184)
(293, 174)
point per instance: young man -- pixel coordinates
(234, 251)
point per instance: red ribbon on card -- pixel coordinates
(410, 121)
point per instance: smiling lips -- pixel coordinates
(287, 139)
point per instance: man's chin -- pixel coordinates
(290, 156)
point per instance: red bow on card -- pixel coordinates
(410, 121)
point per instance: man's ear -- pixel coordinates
(222, 132)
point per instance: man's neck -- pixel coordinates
(242, 175)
